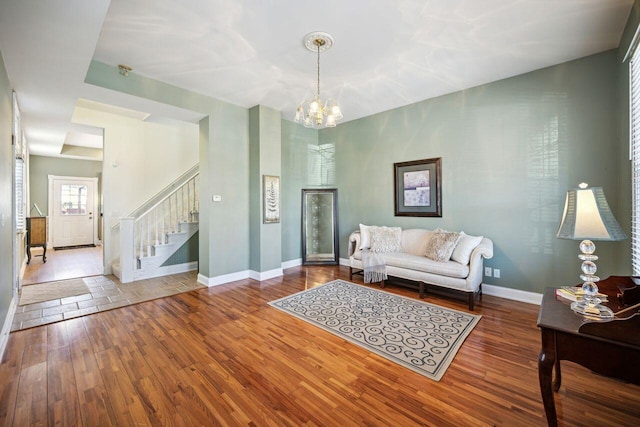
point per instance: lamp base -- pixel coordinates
(592, 310)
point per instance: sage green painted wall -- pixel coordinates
(7, 234)
(265, 139)
(40, 167)
(296, 140)
(224, 166)
(510, 150)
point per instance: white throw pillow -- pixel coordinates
(466, 245)
(365, 238)
(386, 239)
(441, 245)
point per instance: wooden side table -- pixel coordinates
(608, 348)
(37, 236)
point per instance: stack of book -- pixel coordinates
(575, 293)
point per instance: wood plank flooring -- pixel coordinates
(222, 356)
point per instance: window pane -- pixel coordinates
(73, 199)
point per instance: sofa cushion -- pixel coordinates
(466, 245)
(441, 245)
(365, 239)
(421, 263)
(414, 241)
(385, 239)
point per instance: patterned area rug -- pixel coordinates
(420, 336)
(32, 294)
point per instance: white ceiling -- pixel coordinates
(387, 53)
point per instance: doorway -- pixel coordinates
(73, 209)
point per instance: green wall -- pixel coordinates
(296, 140)
(40, 167)
(510, 150)
(7, 234)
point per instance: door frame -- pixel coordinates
(90, 181)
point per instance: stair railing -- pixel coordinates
(141, 234)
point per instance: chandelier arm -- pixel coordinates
(318, 45)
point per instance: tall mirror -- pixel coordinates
(319, 226)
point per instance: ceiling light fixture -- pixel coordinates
(124, 69)
(313, 114)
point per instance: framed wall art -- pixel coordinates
(271, 199)
(418, 187)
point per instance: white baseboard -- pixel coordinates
(6, 326)
(265, 275)
(171, 269)
(292, 263)
(345, 261)
(225, 278)
(512, 294)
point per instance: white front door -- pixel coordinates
(73, 218)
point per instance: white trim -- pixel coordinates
(221, 280)
(6, 327)
(292, 263)
(512, 294)
(170, 269)
(265, 275)
(632, 45)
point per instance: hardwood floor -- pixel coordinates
(223, 356)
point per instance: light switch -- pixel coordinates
(217, 198)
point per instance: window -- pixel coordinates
(19, 168)
(73, 199)
(634, 134)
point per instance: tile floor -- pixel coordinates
(106, 292)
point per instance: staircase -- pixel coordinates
(158, 229)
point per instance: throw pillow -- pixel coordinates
(386, 239)
(365, 238)
(441, 245)
(466, 245)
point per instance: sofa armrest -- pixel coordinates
(476, 264)
(354, 242)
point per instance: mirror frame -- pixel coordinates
(336, 246)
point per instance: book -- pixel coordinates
(575, 293)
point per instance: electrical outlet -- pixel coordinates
(487, 271)
(496, 273)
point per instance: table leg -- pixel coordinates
(546, 363)
(28, 254)
(558, 378)
(44, 254)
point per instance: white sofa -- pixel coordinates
(412, 264)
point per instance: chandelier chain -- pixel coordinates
(318, 45)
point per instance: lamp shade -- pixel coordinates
(587, 216)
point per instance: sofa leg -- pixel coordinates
(350, 273)
(472, 299)
(382, 284)
(421, 290)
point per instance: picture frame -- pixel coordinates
(270, 199)
(418, 187)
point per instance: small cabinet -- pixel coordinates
(37, 236)
(320, 226)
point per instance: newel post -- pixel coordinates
(127, 241)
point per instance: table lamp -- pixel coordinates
(587, 217)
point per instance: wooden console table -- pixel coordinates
(37, 236)
(608, 348)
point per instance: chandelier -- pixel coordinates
(314, 114)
